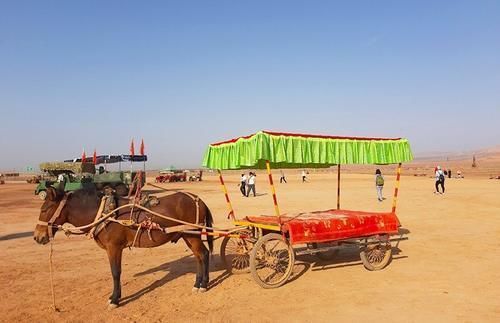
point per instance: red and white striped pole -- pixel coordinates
(273, 191)
(338, 187)
(224, 189)
(396, 189)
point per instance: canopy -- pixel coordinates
(291, 150)
(111, 159)
(67, 167)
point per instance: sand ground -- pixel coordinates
(448, 270)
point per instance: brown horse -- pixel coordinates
(80, 208)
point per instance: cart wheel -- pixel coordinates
(376, 256)
(271, 261)
(235, 253)
(325, 255)
(42, 195)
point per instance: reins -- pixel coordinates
(108, 217)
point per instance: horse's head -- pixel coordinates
(50, 215)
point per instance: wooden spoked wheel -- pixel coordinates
(235, 253)
(271, 261)
(376, 256)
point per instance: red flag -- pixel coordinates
(142, 147)
(94, 158)
(132, 150)
(83, 156)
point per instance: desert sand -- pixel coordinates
(448, 270)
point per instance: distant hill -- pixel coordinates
(487, 161)
(490, 154)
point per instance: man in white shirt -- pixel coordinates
(61, 182)
(439, 180)
(304, 173)
(282, 178)
(243, 183)
(251, 184)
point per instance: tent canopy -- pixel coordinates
(111, 159)
(291, 150)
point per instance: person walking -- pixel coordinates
(251, 184)
(439, 180)
(282, 178)
(243, 183)
(379, 184)
(304, 174)
(61, 180)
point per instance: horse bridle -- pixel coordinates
(55, 216)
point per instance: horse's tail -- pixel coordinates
(209, 220)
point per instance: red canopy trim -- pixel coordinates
(288, 134)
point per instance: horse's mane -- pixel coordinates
(85, 193)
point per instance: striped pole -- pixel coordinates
(396, 189)
(338, 187)
(273, 191)
(224, 189)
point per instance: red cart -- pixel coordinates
(267, 245)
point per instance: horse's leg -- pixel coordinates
(115, 261)
(202, 262)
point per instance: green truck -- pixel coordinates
(72, 175)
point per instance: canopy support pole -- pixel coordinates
(273, 191)
(338, 187)
(396, 189)
(224, 189)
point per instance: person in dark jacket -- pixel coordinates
(379, 184)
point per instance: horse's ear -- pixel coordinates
(52, 194)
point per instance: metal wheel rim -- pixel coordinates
(273, 262)
(42, 195)
(375, 254)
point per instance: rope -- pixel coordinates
(54, 307)
(134, 205)
(135, 237)
(106, 217)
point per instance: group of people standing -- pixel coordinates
(247, 184)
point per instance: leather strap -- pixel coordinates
(93, 232)
(56, 214)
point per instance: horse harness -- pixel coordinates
(54, 216)
(106, 213)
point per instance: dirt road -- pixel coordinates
(449, 270)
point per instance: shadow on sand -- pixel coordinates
(347, 257)
(17, 235)
(174, 270)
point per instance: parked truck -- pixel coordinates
(72, 175)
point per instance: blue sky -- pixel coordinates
(182, 74)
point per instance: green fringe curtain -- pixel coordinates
(288, 151)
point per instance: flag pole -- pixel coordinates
(132, 153)
(142, 154)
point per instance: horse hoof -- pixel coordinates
(112, 306)
(202, 290)
(194, 290)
